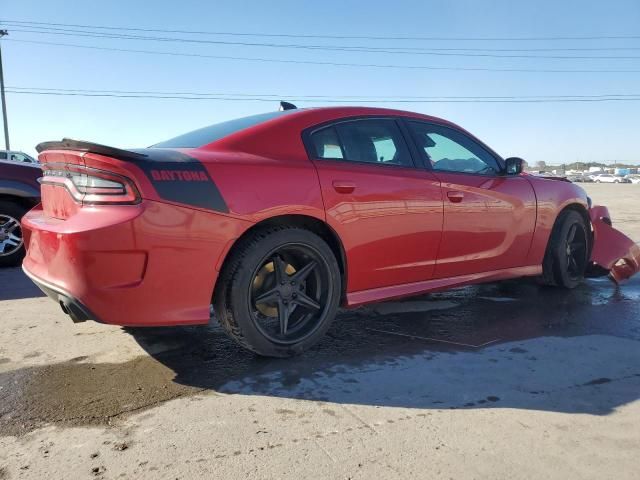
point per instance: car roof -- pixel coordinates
(258, 138)
(353, 111)
(305, 118)
(295, 119)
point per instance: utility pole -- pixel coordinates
(2, 99)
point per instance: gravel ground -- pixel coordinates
(507, 380)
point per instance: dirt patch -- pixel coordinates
(77, 394)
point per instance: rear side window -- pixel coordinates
(326, 144)
(203, 136)
(372, 141)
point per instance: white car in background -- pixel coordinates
(634, 178)
(15, 156)
(610, 178)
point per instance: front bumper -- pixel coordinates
(612, 250)
(150, 264)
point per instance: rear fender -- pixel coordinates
(612, 250)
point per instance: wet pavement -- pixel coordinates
(504, 380)
(496, 345)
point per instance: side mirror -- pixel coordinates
(514, 165)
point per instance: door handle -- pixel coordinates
(455, 196)
(341, 186)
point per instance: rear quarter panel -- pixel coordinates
(259, 187)
(253, 187)
(552, 197)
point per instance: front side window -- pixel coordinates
(372, 141)
(451, 151)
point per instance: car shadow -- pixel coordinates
(14, 285)
(512, 344)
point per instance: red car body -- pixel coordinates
(397, 231)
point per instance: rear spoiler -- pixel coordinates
(82, 146)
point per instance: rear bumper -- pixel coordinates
(150, 264)
(70, 305)
(612, 250)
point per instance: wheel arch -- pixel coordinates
(584, 213)
(578, 207)
(547, 263)
(23, 201)
(307, 222)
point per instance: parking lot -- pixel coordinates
(497, 381)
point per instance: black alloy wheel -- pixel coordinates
(576, 251)
(279, 291)
(288, 294)
(567, 256)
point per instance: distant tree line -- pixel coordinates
(542, 165)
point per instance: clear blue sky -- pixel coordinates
(553, 132)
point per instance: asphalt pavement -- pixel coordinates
(504, 380)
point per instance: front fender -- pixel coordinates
(612, 250)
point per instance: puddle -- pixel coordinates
(73, 394)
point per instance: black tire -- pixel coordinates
(279, 291)
(10, 253)
(567, 254)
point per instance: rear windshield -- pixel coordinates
(203, 136)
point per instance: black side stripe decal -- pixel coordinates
(181, 179)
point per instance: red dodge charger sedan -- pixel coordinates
(273, 221)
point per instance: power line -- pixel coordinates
(313, 62)
(373, 100)
(332, 48)
(326, 36)
(343, 97)
(45, 30)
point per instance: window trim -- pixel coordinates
(426, 161)
(409, 144)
